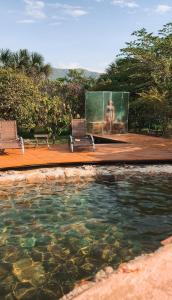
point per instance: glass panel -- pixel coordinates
(121, 112)
(94, 112)
(107, 112)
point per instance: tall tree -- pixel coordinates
(78, 77)
(32, 64)
(19, 98)
(144, 68)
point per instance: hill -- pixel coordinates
(61, 73)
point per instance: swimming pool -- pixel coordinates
(53, 235)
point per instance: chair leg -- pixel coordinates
(22, 145)
(71, 143)
(48, 143)
(92, 141)
(71, 147)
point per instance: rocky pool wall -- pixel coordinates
(75, 174)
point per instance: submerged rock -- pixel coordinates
(4, 270)
(23, 289)
(87, 267)
(27, 242)
(3, 238)
(146, 277)
(78, 227)
(7, 284)
(46, 294)
(27, 292)
(24, 293)
(27, 270)
(12, 254)
(9, 297)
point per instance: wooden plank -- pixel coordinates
(138, 148)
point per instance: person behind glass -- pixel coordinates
(109, 116)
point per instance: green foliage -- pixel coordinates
(53, 116)
(144, 68)
(32, 64)
(77, 76)
(72, 94)
(66, 100)
(19, 97)
(49, 105)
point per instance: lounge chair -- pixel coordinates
(8, 136)
(79, 136)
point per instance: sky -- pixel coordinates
(78, 33)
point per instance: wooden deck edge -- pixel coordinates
(75, 164)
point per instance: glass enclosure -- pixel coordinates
(107, 112)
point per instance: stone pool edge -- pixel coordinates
(77, 174)
(146, 277)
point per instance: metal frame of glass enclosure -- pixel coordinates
(107, 112)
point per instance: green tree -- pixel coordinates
(72, 95)
(32, 64)
(58, 118)
(144, 68)
(19, 98)
(32, 105)
(77, 76)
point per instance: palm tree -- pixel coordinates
(6, 58)
(22, 60)
(37, 65)
(30, 63)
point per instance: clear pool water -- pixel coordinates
(53, 235)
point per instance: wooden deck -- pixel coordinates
(133, 148)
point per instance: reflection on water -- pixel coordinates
(52, 236)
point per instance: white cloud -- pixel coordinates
(71, 10)
(72, 65)
(125, 3)
(76, 12)
(35, 9)
(26, 21)
(53, 13)
(163, 8)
